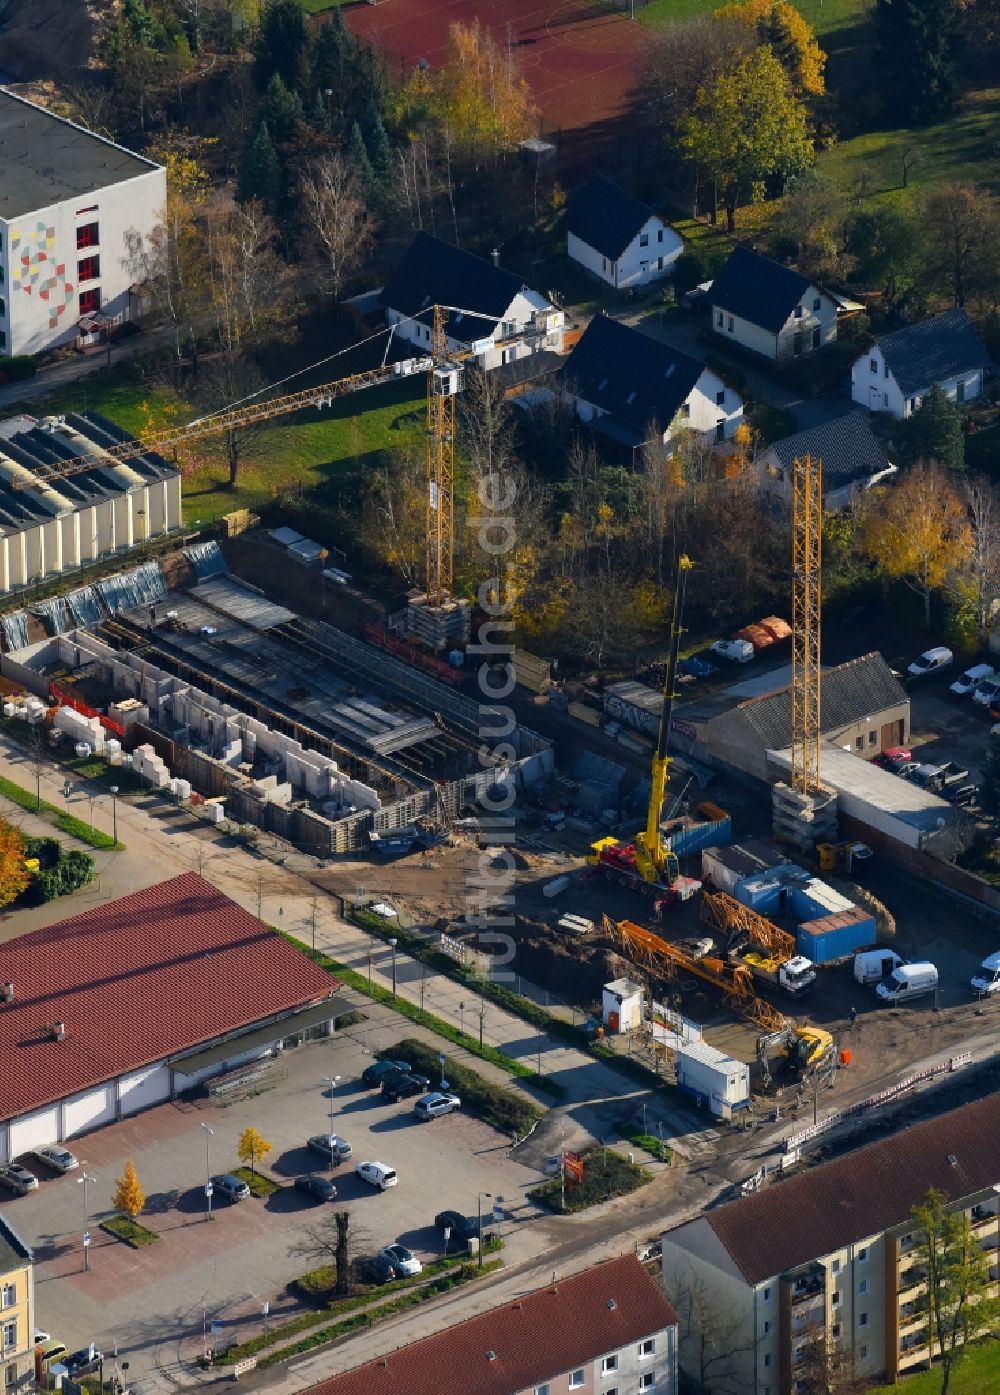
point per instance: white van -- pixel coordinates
(908, 981)
(987, 977)
(874, 965)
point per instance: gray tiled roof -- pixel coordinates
(847, 446)
(606, 217)
(860, 688)
(634, 378)
(431, 272)
(758, 290)
(932, 351)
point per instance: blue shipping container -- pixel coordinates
(838, 942)
(701, 835)
(761, 891)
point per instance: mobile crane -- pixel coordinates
(768, 952)
(647, 864)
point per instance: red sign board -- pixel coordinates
(573, 1166)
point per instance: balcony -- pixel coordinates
(912, 1277)
(910, 1313)
(808, 1285)
(982, 1219)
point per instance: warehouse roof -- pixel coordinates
(45, 159)
(861, 1194)
(847, 446)
(526, 1342)
(860, 688)
(933, 351)
(605, 217)
(55, 439)
(758, 290)
(635, 379)
(138, 980)
(432, 272)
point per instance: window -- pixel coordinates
(873, 365)
(3, 339)
(835, 1300)
(767, 1328)
(684, 410)
(88, 269)
(718, 319)
(644, 239)
(720, 398)
(647, 1381)
(797, 343)
(604, 263)
(659, 234)
(960, 392)
(90, 302)
(609, 1364)
(885, 399)
(577, 1378)
(3, 306)
(862, 1254)
(10, 1334)
(872, 738)
(863, 1287)
(542, 1389)
(859, 743)
(835, 1267)
(862, 1319)
(863, 1351)
(9, 1296)
(799, 312)
(767, 1358)
(720, 430)
(10, 1375)
(911, 404)
(88, 235)
(816, 303)
(816, 337)
(648, 1347)
(730, 324)
(659, 263)
(767, 1295)
(886, 371)
(835, 1330)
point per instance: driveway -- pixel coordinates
(145, 1303)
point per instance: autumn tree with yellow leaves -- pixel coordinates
(14, 875)
(780, 26)
(129, 1196)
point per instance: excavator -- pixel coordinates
(803, 1051)
(647, 864)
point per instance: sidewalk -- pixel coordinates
(58, 375)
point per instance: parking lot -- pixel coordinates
(146, 1303)
(945, 726)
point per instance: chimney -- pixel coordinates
(7, 992)
(59, 1030)
(495, 254)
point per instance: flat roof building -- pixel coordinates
(71, 202)
(138, 1000)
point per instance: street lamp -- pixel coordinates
(114, 812)
(392, 945)
(461, 1018)
(83, 1180)
(333, 1081)
(479, 1203)
(441, 1060)
(209, 1135)
(447, 1237)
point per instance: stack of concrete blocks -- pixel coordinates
(214, 810)
(79, 728)
(150, 768)
(128, 711)
(180, 789)
(113, 751)
(271, 791)
(35, 710)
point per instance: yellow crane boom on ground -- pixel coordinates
(730, 917)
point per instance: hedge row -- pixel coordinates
(502, 1108)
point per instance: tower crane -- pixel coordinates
(807, 580)
(647, 863)
(444, 382)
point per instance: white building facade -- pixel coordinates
(68, 200)
(874, 385)
(650, 256)
(530, 324)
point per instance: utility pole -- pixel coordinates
(314, 924)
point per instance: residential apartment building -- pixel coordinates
(831, 1252)
(69, 202)
(606, 1331)
(17, 1311)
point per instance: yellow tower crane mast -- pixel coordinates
(444, 384)
(807, 558)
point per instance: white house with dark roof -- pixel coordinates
(899, 370)
(853, 457)
(68, 201)
(492, 314)
(623, 383)
(833, 1252)
(617, 237)
(770, 308)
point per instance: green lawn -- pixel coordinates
(825, 16)
(977, 1374)
(314, 449)
(316, 7)
(982, 451)
(960, 148)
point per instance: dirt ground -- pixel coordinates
(49, 38)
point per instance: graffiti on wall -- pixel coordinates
(35, 270)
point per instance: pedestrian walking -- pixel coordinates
(854, 1017)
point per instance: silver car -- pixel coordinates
(54, 1155)
(18, 1179)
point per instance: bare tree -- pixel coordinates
(828, 1367)
(335, 1241)
(339, 215)
(250, 284)
(984, 562)
(230, 379)
(717, 1342)
(485, 424)
(93, 106)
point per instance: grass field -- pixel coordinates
(977, 1374)
(315, 450)
(825, 16)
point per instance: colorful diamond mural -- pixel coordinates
(32, 269)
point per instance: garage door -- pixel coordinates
(88, 1111)
(143, 1088)
(4, 1156)
(34, 1130)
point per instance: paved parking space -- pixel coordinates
(945, 726)
(148, 1301)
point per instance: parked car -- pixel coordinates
(893, 757)
(19, 1180)
(58, 1157)
(400, 1087)
(963, 795)
(986, 980)
(696, 668)
(232, 1188)
(951, 773)
(928, 777)
(435, 1104)
(462, 1227)
(374, 1269)
(931, 661)
(907, 770)
(972, 677)
(907, 982)
(987, 693)
(375, 1073)
(82, 1362)
(377, 1174)
(330, 1147)
(404, 1261)
(318, 1188)
(740, 651)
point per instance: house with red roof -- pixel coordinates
(138, 1000)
